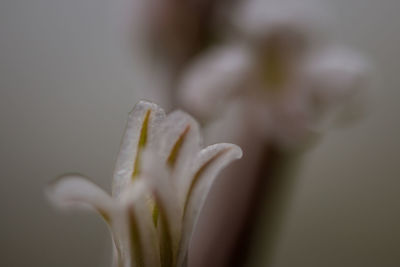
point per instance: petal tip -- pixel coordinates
(76, 191)
(143, 104)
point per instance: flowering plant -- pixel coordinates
(288, 86)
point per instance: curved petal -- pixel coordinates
(178, 141)
(76, 191)
(210, 161)
(139, 134)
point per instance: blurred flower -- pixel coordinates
(161, 180)
(275, 85)
(285, 84)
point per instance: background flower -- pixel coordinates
(277, 87)
(284, 79)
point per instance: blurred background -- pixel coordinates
(67, 83)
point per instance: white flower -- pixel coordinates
(161, 180)
(285, 84)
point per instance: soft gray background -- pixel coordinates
(67, 83)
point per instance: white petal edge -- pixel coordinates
(210, 161)
(124, 166)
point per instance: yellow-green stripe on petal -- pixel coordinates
(173, 156)
(141, 144)
(166, 247)
(135, 242)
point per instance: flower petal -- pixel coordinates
(157, 175)
(178, 141)
(139, 134)
(76, 191)
(73, 190)
(210, 161)
(143, 243)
